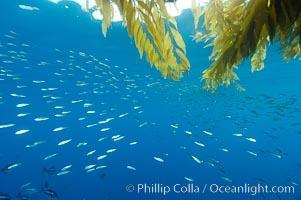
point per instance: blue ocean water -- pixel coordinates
(84, 118)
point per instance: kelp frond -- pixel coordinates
(155, 34)
(258, 57)
(241, 29)
(197, 11)
(292, 45)
(106, 9)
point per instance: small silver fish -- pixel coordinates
(131, 167)
(10, 167)
(158, 159)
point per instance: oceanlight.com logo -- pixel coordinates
(250, 189)
(163, 189)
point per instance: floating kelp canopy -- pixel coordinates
(237, 30)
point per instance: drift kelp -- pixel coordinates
(237, 30)
(154, 31)
(241, 29)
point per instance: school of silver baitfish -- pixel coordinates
(70, 104)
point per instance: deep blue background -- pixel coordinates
(269, 111)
